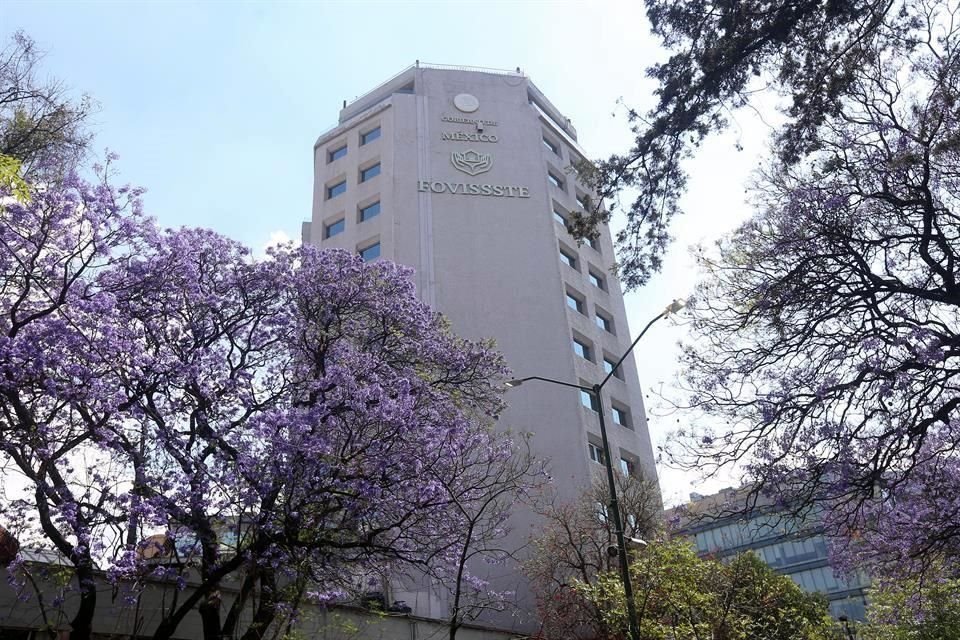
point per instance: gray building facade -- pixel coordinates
(464, 175)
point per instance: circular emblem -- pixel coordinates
(466, 103)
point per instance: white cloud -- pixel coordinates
(276, 238)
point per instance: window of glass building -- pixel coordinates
(370, 211)
(369, 136)
(370, 172)
(371, 252)
(336, 189)
(582, 349)
(555, 180)
(337, 153)
(589, 400)
(334, 228)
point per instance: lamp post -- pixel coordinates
(846, 626)
(596, 389)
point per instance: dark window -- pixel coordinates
(582, 349)
(627, 467)
(370, 211)
(596, 453)
(334, 228)
(555, 180)
(583, 201)
(597, 281)
(568, 259)
(604, 322)
(550, 145)
(589, 400)
(369, 136)
(608, 367)
(559, 217)
(337, 153)
(594, 243)
(334, 190)
(370, 253)
(574, 303)
(620, 417)
(370, 172)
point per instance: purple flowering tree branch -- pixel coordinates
(827, 345)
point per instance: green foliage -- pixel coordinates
(10, 179)
(914, 609)
(680, 596)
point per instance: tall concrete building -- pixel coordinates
(463, 174)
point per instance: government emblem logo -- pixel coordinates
(471, 162)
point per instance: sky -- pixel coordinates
(214, 108)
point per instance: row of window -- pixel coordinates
(555, 178)
(570, 258)
(337, 151)
(584, 348)
(367, 212)
(627, 466)
(561, 218)
(601, 318)
(368, 250)
(621, 415)
(340, 187)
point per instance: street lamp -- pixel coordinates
(846, 626)
(673, 307)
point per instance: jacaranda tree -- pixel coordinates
(280, 425)
(828, 327)
(801, 55)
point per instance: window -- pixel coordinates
(334, 228)
(594, 243)
(608, 364)
(627, 467)
(337, 153)
(601, 512)
(370, 253)
(574, 303)
(370, 211)
(596, 280)
(582, 349)
(596, 453)
(604, 322)
(336, 189)
(369, 136)
(620, 417)
(550, 145)
(559, 216)
(583, 201)
(568, 259)
(370, 172)
(589, 400)
(555, 180)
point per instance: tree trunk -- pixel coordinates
(82, 623)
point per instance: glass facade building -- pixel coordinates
(791, 545)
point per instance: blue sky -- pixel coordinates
(214, 108)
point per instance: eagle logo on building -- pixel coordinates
(472, 162)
